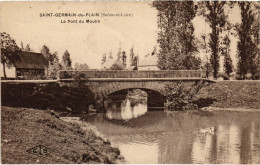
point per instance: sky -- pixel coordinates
(88, 42)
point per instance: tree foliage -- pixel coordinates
(132, 55)
(180, 98)
(9, 50)
(46, 52)
(214, 13)
(54, 65)
(248, 44)
(176, 35)
(103, 60)
(53, 68)
(81, 66)
(206, 66)
(225, 49)
(22, 48)
(66, 61)
(119, 53)
(124, 58)
(110, 55)
(27, 48)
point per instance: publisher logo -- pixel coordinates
(39, 150)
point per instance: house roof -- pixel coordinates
(108, 63)
(112, 64)
(30, 60)
(148, 61)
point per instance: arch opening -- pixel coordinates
(154, 98)
(131, 103)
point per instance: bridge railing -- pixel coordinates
(67, 74)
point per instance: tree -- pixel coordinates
(213, 11)
(9, 50)
(244, 43)
(176, 35)
(27, 48)
(119, 54)
(46, 52)
(206, 66)
(53, 57)
(22, 48)
(110, 55)
(256, 40)
(228, 66)
(81, 66)
(248, 44)
(53, 60)
(66, 61)
(104, 58)
(54, 68)
(124, 58)
(132, 54)
(136, 60)
(76, 66)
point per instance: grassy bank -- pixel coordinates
(230, 94)
(24, 128)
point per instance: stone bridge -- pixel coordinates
(104, 83)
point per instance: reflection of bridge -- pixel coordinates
(103, 83)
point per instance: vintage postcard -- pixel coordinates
(130, 82)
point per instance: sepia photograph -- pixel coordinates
(130, 82)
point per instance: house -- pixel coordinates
(112, 64)
(148, 63)
(27, 65)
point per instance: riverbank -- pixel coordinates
(23, 129)
(47, 96)
(230, 95)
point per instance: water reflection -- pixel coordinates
(140, 153)
(181, 137)
(125, 109)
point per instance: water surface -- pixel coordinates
(147, 136)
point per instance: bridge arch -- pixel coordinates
(155, 90)
(108, 88)
(154, 98)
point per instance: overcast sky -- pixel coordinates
(88, 42)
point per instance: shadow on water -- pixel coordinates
(204, 102)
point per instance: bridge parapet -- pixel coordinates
(67, 74)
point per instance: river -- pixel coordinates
(146, 135)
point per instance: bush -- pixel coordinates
(177, 98)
